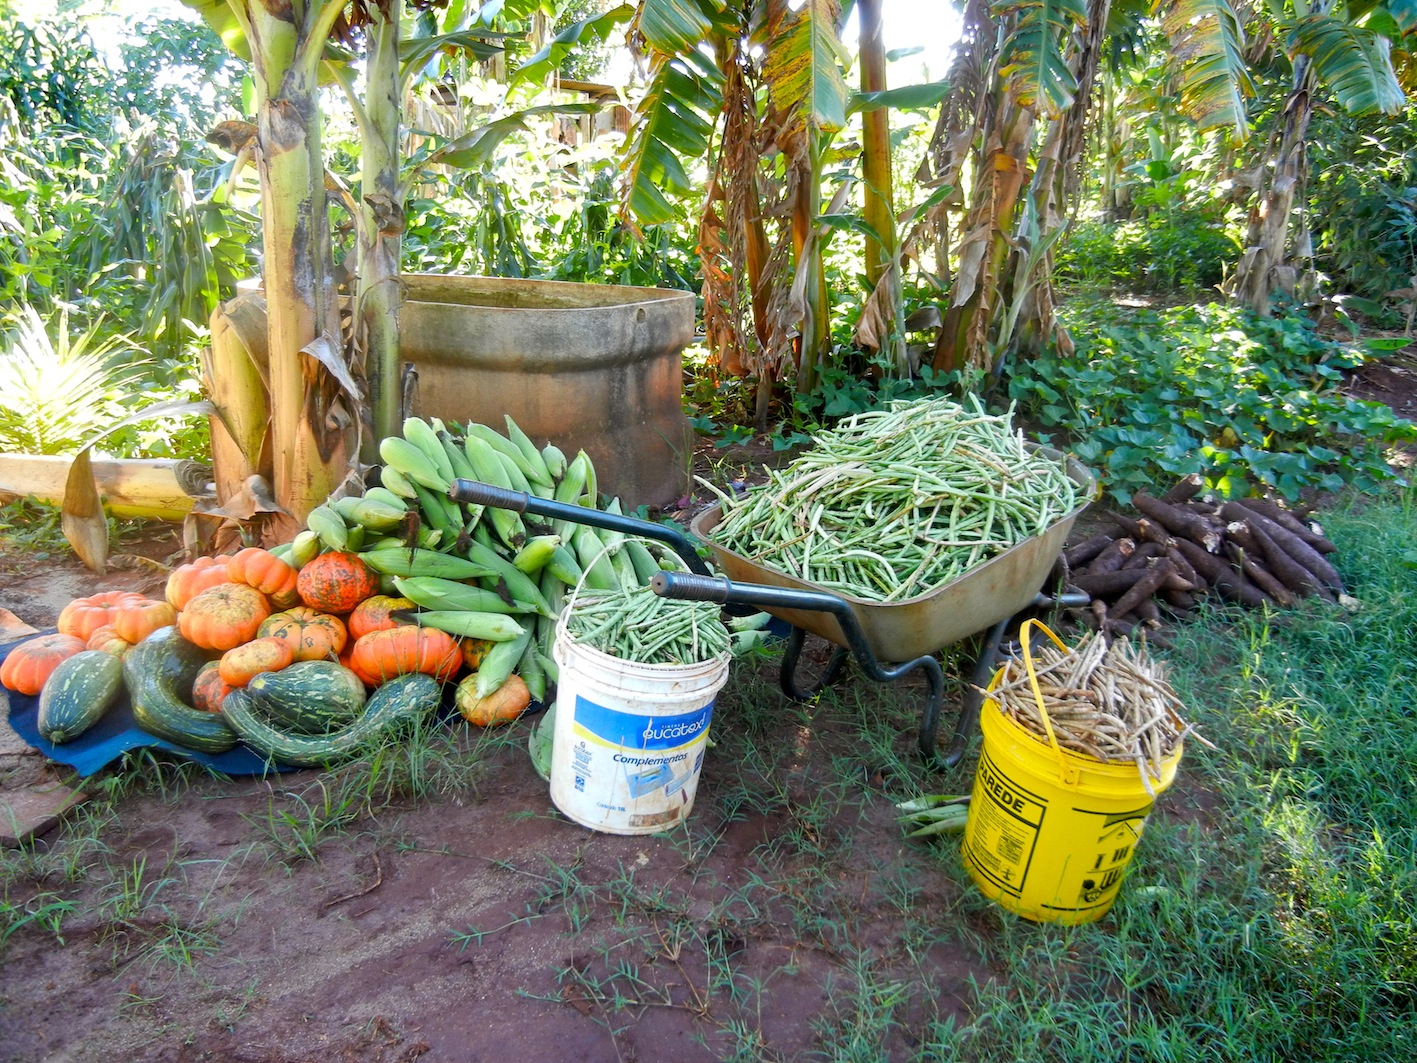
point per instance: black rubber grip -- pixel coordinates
(691, 587)
(482, 494)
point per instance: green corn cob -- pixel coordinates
(422, 562)
(534, 461)
(492, 627)
(536, 552)
(434, 592)
(555, 459)
(329, 526)
(421, 434)
(499, 662)
(384, 495)
(304, 548)
(396, 483)
(563, 565)
(415, 465)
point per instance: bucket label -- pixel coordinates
(614, 728)
(1003, 832)
(642, 769)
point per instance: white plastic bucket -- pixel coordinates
(630, 738)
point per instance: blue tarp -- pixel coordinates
(114, 735)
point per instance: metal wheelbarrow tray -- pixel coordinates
(897, 631)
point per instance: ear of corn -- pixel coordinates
(371, 513)
(304, 548)
(421, 562)
(535, 465)
(329, 526)
(563, 565)
(535, 553)
(384, 495)
(499, 663)
(555, 459)
(517, 583)
(594, 559)
(421, 434)
(436, 592)
(413, 463)
(397, 483)
(491, 627)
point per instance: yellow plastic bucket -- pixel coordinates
(1050, 832)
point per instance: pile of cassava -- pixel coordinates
(1252, 551)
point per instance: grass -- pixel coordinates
(1270, 912)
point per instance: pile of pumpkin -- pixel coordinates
(303, 664)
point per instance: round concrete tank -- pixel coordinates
(592, 366)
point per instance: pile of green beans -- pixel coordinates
(635, 624)
(892, 503)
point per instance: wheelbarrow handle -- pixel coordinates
(481, 494)
(486, 494)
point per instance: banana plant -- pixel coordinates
(316, 380)
(773, 73)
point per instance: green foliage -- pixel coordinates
(1247, 402)
(51, 75)
(1184, 249)
(1364, 202)
(57, 394)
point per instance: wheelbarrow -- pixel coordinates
(887, 640)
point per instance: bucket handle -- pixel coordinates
(1069, 773)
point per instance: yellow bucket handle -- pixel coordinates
(1067, 772)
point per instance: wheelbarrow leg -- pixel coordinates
(972, 700)
(792, 654)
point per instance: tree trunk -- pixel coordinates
(379, 293)
(964, 340)
(309, 421)
(1056, 191)
(1265, 267)
(878, 204)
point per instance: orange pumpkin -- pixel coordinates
(376, 614)
(311, 635)
(137, 620)
(503, 705)
(337, 582)
(108, 640)
(240, 665)
(381, 655)
(224, 616)
(188, 581)
(267, 573)
(31, 663)
(83, 616)
(209, 689)
(473, 650)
